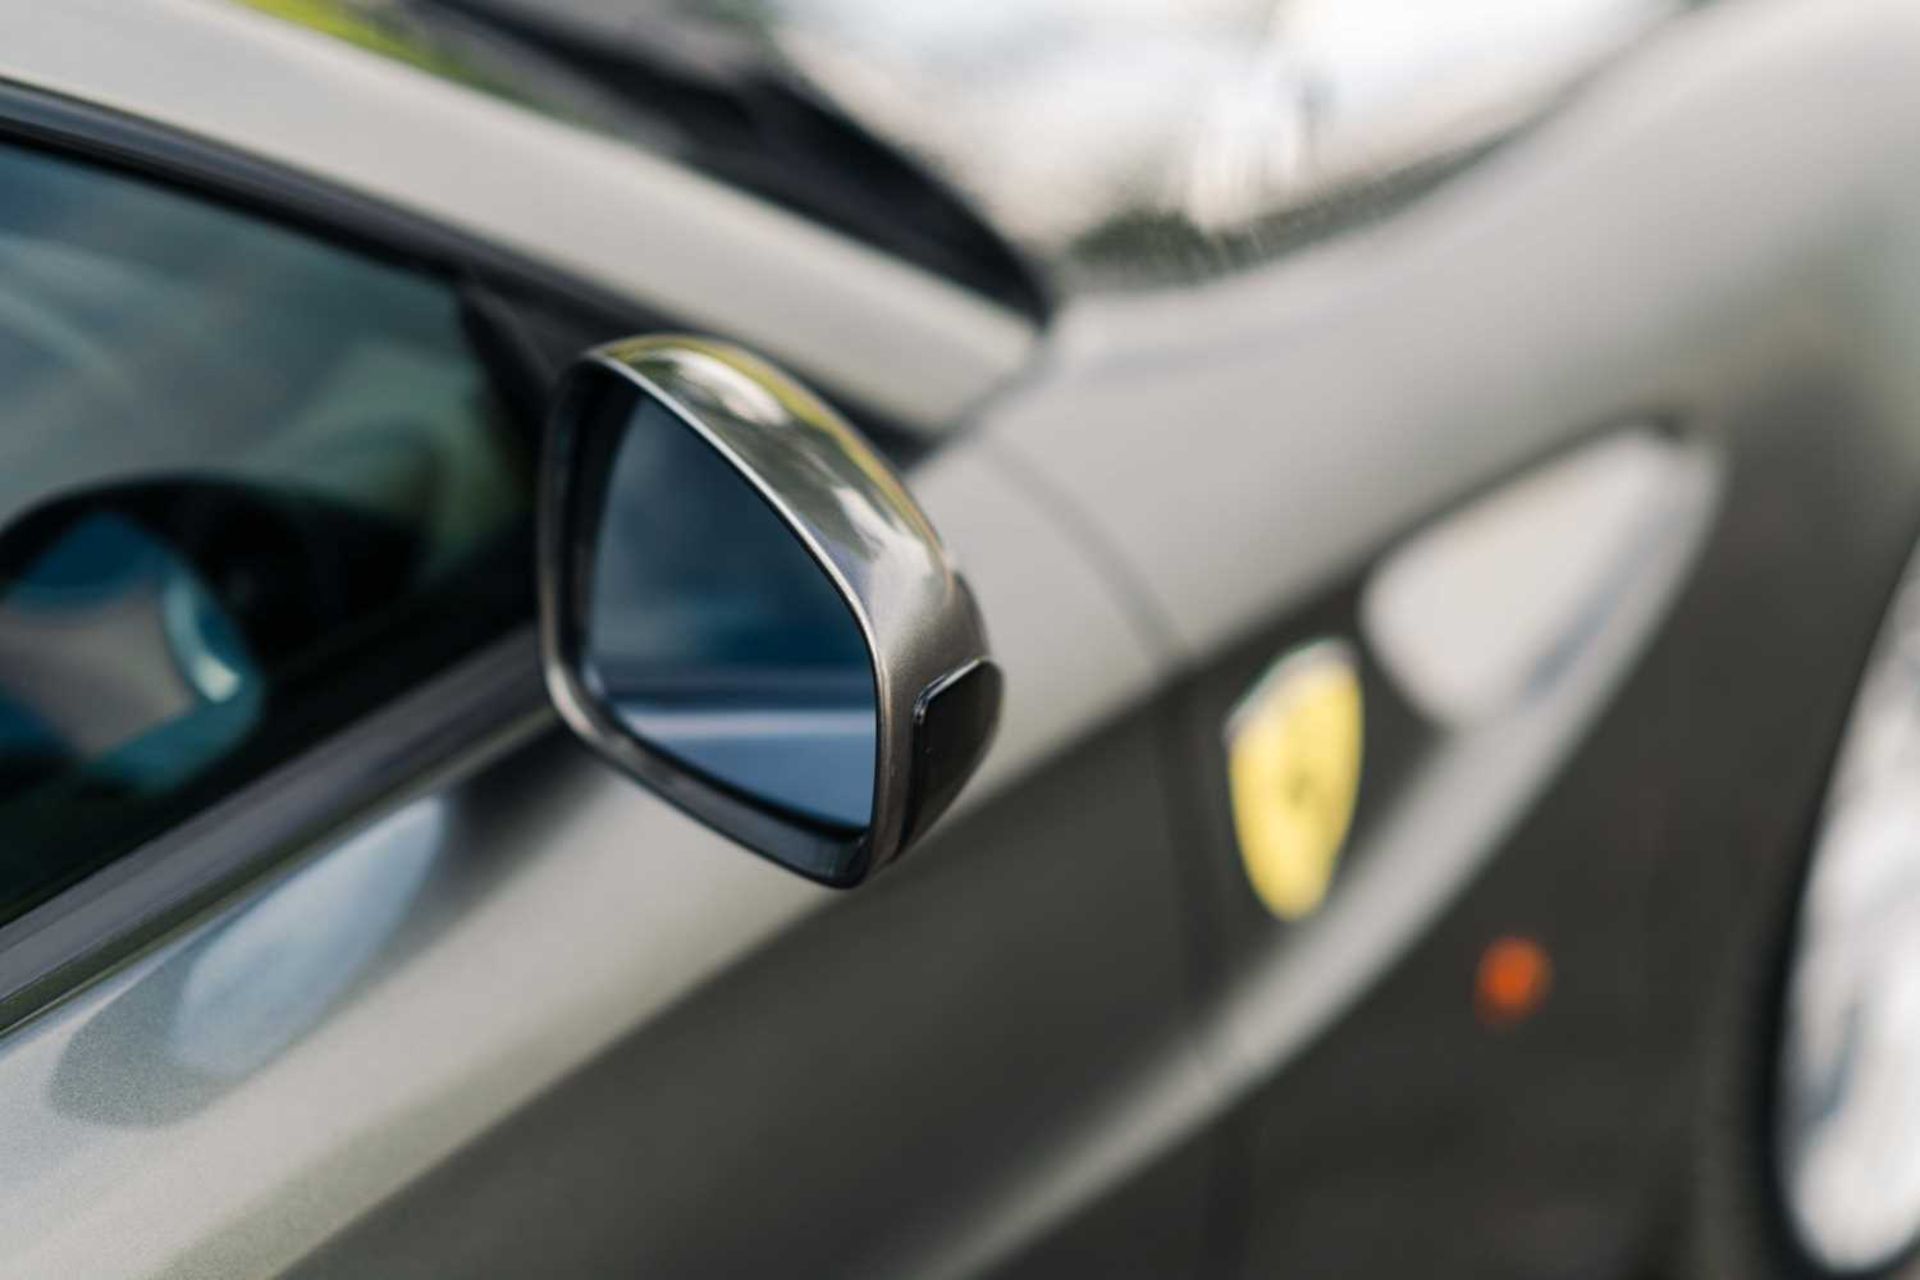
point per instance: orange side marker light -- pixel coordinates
(1512, 982)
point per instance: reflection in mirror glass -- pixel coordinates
(714, 636)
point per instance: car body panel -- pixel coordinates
(566, 907)
(900, 339)
(1566, 1142)
(1279, 426)
(1179, 488)
(1239, 451)
(851, 1098)
(1248, 449)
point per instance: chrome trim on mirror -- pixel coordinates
(852, 515)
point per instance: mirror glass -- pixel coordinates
(712, 634)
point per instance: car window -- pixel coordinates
(252, 484)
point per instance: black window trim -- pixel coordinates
(446, 726)
(276, 193)
(490, 279)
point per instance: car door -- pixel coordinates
(358, 928)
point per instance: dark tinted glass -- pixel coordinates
(250, 486)
(716, 638)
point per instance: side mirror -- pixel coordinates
(742, 608)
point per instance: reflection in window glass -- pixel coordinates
(250, 486)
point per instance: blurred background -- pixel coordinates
(1117, 142)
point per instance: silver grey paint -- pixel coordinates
(1278, 426)
(1226, 445)
(1241, 445)
(566, 907)
(1475, 611)
(1422, 854)
(901, 340)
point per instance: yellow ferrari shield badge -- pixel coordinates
(1293, 764)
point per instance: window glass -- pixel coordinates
(251, 485)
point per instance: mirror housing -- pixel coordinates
(742, 608)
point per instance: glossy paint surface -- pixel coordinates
(1092, 1031)
(861, 323)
